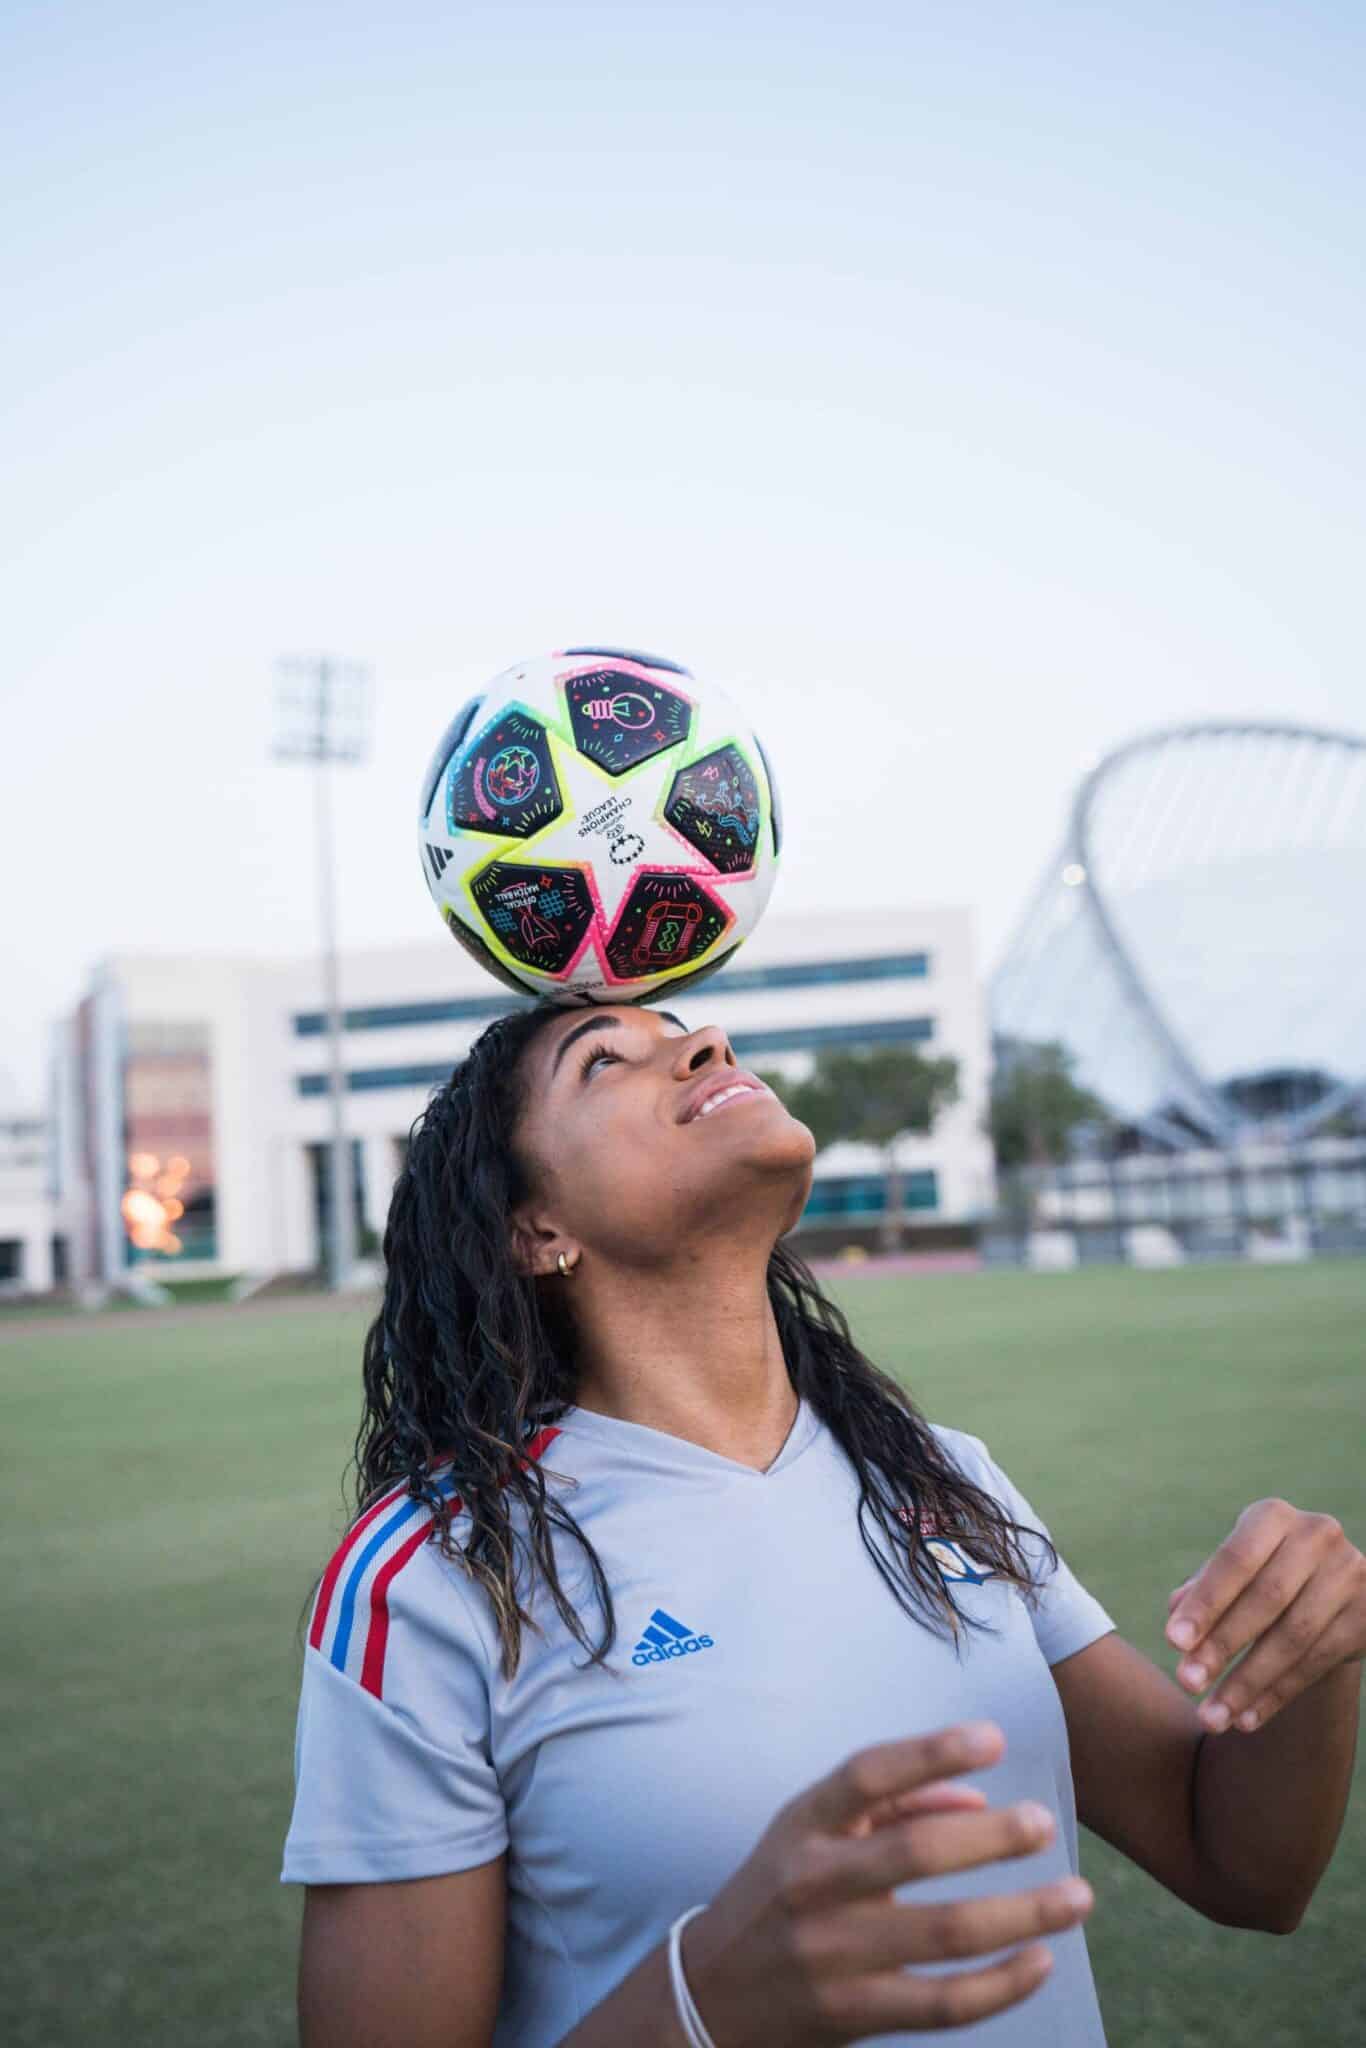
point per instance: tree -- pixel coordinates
(871, 1098)
(1036, 1105)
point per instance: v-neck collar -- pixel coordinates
(660, 1446)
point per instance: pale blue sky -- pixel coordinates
(981, 383)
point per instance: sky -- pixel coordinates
(965, 389)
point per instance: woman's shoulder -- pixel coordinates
(968, 1452)
(389, 1591)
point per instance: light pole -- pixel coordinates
(323, 716)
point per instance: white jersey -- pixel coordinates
(757, 1646)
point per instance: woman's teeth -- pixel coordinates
(723, 1095)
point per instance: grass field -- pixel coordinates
(172, 1487)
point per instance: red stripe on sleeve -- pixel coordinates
(539, 1445)
(377, 1639)
(339, 1557)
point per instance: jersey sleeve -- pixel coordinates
(1065, 1616)
(393, 1775)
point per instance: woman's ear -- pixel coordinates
(537, 1244)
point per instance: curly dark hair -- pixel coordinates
(469, 1357)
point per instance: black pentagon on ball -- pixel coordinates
(477, 950)
(620, 719)
(714, 803)
(775, 806)
(503, 782)
(445, 747)
(540, 915)
(666, 921)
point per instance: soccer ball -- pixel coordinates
(597, 826)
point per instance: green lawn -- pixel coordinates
(172, 1490)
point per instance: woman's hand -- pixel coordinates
(806, 1944)
(1288, 1583)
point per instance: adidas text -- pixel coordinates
(654, 1654)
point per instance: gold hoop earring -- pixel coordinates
(566, 1270)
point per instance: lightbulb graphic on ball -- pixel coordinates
(629, 709)
(597, 826)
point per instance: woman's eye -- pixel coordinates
(593, 1056)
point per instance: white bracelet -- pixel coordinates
(689, 2018)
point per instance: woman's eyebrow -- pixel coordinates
(581, 1031)
(603, 1024)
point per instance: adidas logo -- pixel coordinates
(438, 858)
(665, 1638)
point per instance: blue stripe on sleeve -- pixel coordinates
(341, 1642)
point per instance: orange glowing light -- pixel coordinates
(148, 1221)
(152, 1202)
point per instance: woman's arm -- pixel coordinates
(416, 1963)
(1241, 1827)
(1274, 1801)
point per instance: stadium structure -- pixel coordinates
(1194, 948)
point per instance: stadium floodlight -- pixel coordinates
(323, 708)
(1191, 942)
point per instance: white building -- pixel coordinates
(193, 1116)
(29, 1243)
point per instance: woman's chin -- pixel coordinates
(786, 1150)
(771, 1138)
(801, 1147)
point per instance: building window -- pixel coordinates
(361, 1080)
(865, 1194)
(320, 1163)
(816, 973)
(11, 1259)
(812, 1037)
(731, 980)
(796, 1038)
(391, 1016)
(169, 1202)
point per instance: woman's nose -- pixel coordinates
(707, 1047)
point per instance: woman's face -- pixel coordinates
(640, 1136)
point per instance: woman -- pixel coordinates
(665, 1655)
